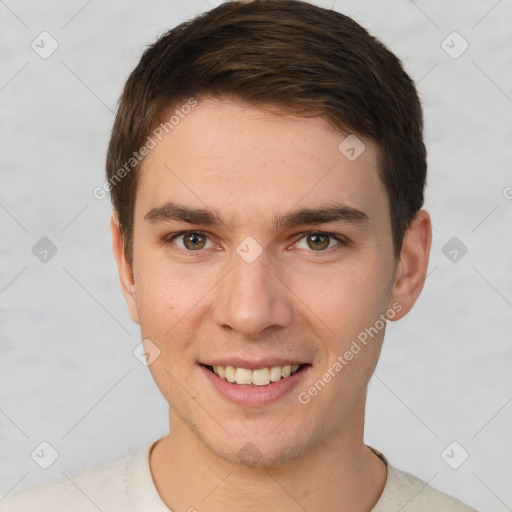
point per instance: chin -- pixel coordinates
(265, 451)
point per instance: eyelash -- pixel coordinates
(342, 242)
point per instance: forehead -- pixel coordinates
(236, 158)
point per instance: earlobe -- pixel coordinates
(412, 267)
(124, 268)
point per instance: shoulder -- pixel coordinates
(102, 487)
(407, 493)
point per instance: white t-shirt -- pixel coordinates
(125, 484)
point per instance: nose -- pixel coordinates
(253, 300)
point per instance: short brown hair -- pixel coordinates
(290, 54)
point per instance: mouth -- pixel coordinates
(265, 383)
(255, 378)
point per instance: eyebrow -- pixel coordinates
(333, 212)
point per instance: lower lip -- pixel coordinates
(255, 395)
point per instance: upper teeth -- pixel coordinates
(259, 377)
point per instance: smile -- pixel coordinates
(264, 383)
(257, 377)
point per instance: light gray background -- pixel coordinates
(68, 374)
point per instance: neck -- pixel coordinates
(339, 473)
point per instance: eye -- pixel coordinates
(191, 240)
(320, 242)
(196, 241)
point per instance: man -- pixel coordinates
(267, 171)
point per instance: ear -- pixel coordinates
(123, 267)
(412, 267)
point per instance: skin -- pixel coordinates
(294, 301)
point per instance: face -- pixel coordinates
(259, 245)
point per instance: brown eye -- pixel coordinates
(189, 242)
(318, 241)
(194, 241)
(321, 242)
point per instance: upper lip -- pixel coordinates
(238, 362)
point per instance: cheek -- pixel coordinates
(172, 302)
(162, 289)
(346, 299)
(161, 303)
(347, 303)
(165, 312)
